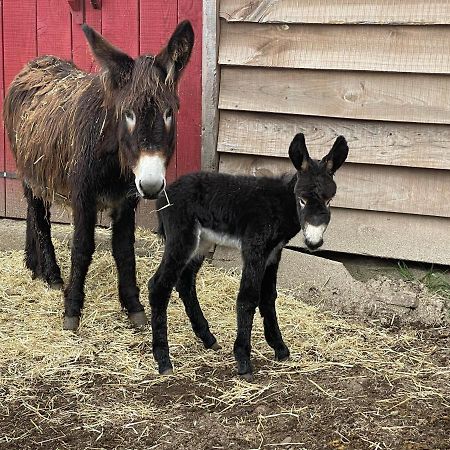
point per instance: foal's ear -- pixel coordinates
(116, 64)
(337, 155)
(175, 56)
(299, 153)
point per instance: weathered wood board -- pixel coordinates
(362, 186)
(370, 142)
(387, 235)
(343, 47)
(354, 95)
(418, 12)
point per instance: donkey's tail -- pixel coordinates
(160, 230)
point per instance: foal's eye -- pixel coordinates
(130, 119)
(302, 202)
(327, 202)
(168, 115)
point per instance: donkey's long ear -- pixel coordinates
(337, 155)
(116, 64)
(299, 153)
(175, 56)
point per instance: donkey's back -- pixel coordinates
(50, 108)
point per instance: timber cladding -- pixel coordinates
(375, 71)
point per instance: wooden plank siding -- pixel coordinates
(403, 190)
(387, 235)
(343, 47)
(353, 95)
(376, 72)
(371, 142)
(408, 12)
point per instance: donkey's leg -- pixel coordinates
(188, 294)
(123, 228)
(176, 255)
(83, 245)
(267, 309)
(247, 301)
(39, 251)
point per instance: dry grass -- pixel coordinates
(108, 353)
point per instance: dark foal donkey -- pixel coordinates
(259, 215)
(94, 141)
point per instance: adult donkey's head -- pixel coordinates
(142, 94)
(315, 187)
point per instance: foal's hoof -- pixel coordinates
(216, 346)
(168, 371)
(282, 355)
(246, 377)
(71, 323)
(138, 319)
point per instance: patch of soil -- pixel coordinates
(347, 409)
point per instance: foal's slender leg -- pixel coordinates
(267, 309)
(123, 228)
(176, 255)
(39, 251)
(247, 301)
(188, 294)
(82, 249)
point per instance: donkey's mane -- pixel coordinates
(146, 86)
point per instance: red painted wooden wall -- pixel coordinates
(37, 27)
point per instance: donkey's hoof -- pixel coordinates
(168, 371)
(71, 323)
(56, 285)
(246, 377)
(216, 346)
(138, 319)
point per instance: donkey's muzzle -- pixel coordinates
(314, 246)
(150, 191)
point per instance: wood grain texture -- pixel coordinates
(361, 186)
(370, 142)
(387, 235)
(54, 28)
(417, 12)
(81, 54)
(210, 84)
(121, 15)
(342, 47)
(190, 92)
(355, 95)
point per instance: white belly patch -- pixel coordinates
(215, 237)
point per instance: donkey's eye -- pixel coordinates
(168, 115)
(130, 119)
(302, 202)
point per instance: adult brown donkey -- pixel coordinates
(94, 141)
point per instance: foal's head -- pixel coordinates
(315, 187)
(142, 94)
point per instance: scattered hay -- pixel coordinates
(105, 376)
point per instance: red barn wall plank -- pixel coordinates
(81, 54)
(120, 24)
(2, 129)
(54, 28)
(189, 119)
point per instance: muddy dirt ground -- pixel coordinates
(351, 383)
